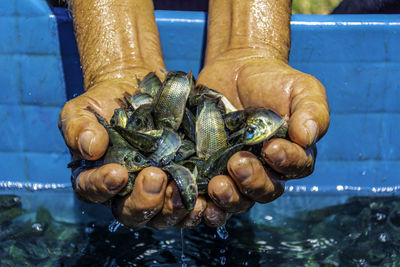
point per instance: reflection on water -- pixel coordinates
(362, 231)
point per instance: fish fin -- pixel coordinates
(100, 118)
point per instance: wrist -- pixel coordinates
(249, 29)
(115, 38)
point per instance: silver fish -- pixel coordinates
(261, 124)
(167, 146)
(210, 129)
(170, 101)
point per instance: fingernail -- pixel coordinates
(85, 143)
(112, 183)
(153, 184)
(278, 157)
(224, 192)
(243, 171)
(312, 129)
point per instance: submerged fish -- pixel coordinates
(150, 84)
(261, 124)
(9, 201)
(210, 129)
(170, 101)
(186, 182)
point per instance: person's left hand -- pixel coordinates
(255, 81)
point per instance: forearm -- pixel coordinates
(115, 38)
(248, 26)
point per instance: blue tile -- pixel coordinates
(48, 168)
(8, 8)
(37, 35)
(32, 8)
(12, 165)
(11, 128)
(330, 174)
(42, 80)
(357, 87)
(9, 34)
(344, 38)
(352, 137)
(43, 134)
(390, 147)
(9, 79)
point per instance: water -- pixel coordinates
(293, 231)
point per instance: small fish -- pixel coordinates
(140, 140)
(201, 90)
(186, 150)
(128, 157)
(167, 146)
(261, 124)
(210, 129)
(115, 138)
(137, 100)
(235, 120)
(216, 164)
(9, 201)
(141, 119)
(119, 118)
(170, 101)
(189, 125)
(129, 185)
(150, 84)
(186, 183)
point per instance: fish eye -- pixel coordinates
(126, 158)
(138, 121)
(250, 130)
(137, 159)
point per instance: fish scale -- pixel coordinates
(210, 130)
(170, 102)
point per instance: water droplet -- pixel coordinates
(107, 241)
(75, 95)
(114, 226)
(83, 212)
(112, 246)
(222, 251)
(222, 260)
(221, 231)
(37, 227)
(383, 237)
(136, 234)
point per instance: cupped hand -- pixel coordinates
(153, 201)
(257, 81)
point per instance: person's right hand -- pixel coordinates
(153, 201)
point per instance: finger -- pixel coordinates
(173, 210)
(226, 195)
(214, 216)
(101, 184)
(289, 158)
(82, 132)
(194, 217)
(145, 200)
(252, 179)
(309, 110)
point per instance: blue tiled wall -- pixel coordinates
(357, 58)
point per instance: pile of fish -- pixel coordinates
(188, 131)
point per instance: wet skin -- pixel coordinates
(258, 75)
